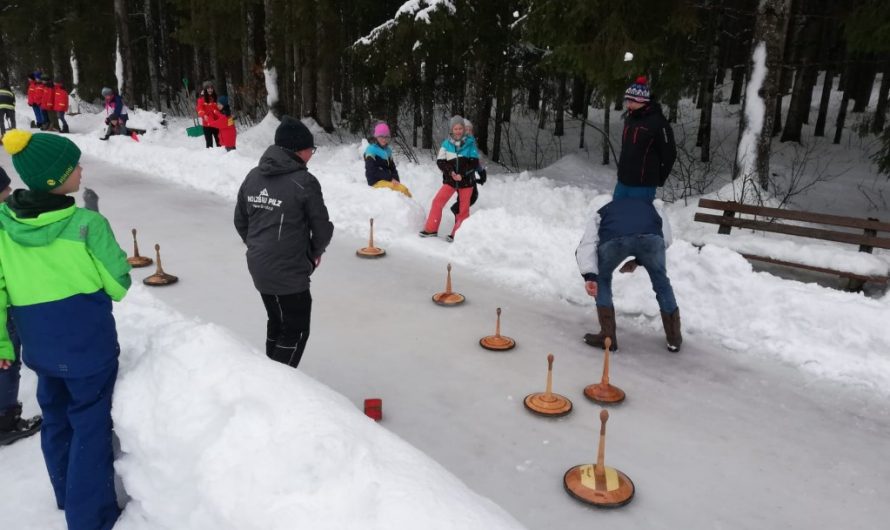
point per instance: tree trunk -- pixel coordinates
(542, 110)
(309, 63)
(738, 83)
(269, 63)
(559, 108)
(534, 94)
(327, 33)
(707, 81)
(864, 82)
(823, 103)
(169, 82)
(151, 54)
(579, 90)
(122, 25)
(842, 115)
(248, 57)
(503, 84)
(215, 72)
(482, 103)
(606, 112)
(877, 124)
(770, 27)
(584, 114)
(429, 85)
(5, 70)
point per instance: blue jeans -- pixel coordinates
(634, 192)
(38, 114)
(9, 378)
(76, 442)
(648, 249)
(61, 116)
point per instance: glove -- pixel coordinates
(107, 121)
(481, 176)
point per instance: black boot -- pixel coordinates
(606, 316)
(671, 322)
(13, 427)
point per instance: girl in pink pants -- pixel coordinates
(458, 160)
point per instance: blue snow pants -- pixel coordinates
(76, 442)
(9, 378)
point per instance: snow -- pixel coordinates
(420, 10)
(270, 76)
(118, 65)
(375, 333)
(754, 114)
(628, 56)
(75, 70)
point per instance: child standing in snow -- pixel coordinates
(33, 99)
(61, 268)
(60, 105)
(209, 113)
(380, 168)
(458, 160)
(479, 178)
(225, 124)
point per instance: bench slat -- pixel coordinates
(793, 230)
(793, 215)
(876, 279)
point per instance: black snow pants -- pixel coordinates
(287, 330)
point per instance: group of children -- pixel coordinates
(49, 100)
(458, 159)
(216, 118)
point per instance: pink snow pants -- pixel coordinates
(439, 201)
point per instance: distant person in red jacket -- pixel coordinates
(225, 122)
(47, 98)
(33, 101)
(60, 105)
(209, 113)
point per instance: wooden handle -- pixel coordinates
(600, 469)
(606, 354)
(549, 389)
(371, 239)
(135, 245)
(497, 329)
(448, 281)
(158, 256)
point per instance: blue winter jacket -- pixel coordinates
(379, 164)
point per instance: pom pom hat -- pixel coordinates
(44, 161)
(381, 129)
(639, 91)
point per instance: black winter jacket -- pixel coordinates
(281, 216)
(648, 151)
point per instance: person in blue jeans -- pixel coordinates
(623, 228)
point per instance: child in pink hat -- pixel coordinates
(380, 168)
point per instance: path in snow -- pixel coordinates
(710, 439)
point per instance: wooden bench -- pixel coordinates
(868, 240)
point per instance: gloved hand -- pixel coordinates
(481, 176)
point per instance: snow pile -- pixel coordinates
(216, 436)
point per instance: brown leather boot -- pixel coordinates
(672, 333)
(606, 316)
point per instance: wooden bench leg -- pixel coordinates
(854, 285)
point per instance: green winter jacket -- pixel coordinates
(60, 267)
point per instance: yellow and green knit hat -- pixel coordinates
(44, 161)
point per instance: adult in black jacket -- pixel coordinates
(648, 151)
(281, 217)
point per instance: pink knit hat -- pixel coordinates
(381, 129)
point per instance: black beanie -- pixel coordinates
(4, 179)
(293, 135)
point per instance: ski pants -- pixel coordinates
(38, 114)
(287, 329)
(9, 378)
(76, 442)
(464, 196)
(211, 134)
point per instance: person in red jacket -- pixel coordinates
(209, 113)
(226, 124)
(60, 105)
(47, 100)
(33, 102)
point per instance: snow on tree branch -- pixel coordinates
(754, 113)
(420, 10)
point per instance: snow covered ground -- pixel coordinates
(774, 387)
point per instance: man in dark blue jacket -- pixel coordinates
(621, 229)
(648, 151)
(281, 217)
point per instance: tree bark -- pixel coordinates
(738, 83)
(877, 124)
(271, 51)
(559, 110)
(169, 81)
(309, 63)
(842, 115)
(770, 27)
(429, 85)
(824, 100)
(707, 80)
(534, 94)
(862, 87)
(579, 90)
(151, 54)
(584, 114)
(326, 36)
(123, 32)
(606, 113)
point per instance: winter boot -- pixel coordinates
(424, 233)
(65, 129)
(606, 316)
(672, 333)
(13, 427)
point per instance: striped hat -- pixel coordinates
(638, 91)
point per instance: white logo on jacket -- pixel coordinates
(264, 201)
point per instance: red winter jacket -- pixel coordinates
(32, 92)
(207, 111)
(47, 96)
(227, 131)
(60, 101)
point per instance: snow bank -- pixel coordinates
(523, 233)
(214, 436)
